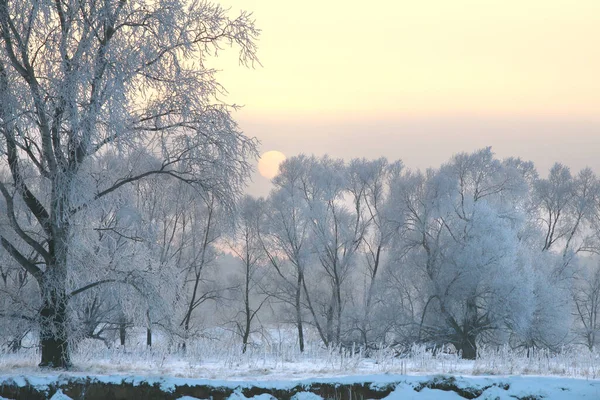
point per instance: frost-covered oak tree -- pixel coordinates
(79, 78)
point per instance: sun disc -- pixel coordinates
(268, 165)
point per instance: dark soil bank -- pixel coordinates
(91, 389)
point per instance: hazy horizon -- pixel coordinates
(429, 141)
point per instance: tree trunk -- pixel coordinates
(247, 305)
(338, 303)
(122, 333)
(329, 316)
(148, 329)
(245, 339)
(366, 323)
(188, 314)
(314, 314)
(54, 330)
(299, 314)
(54, 324)
(468, 339)
(469, 348)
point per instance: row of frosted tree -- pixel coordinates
(367, 252)
(477, 251)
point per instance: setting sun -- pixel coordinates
(268, 165)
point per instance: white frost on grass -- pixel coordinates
(278, 358)
(270, 364)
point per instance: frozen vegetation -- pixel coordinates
(282, 371)
(276, 360)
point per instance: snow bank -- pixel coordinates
(59, 395)
(391, 387)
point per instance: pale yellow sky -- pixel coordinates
(332, 67)
(418, 57)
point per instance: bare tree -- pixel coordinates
(79, 78)
(336, 235)
(587, 304)
(285, 238)
(369, 192)
(204, 219)
(566, 207)
(245, 244)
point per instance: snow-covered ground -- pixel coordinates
(221, 360)
(571, 374)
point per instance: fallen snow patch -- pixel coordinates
(189, 398)
(306, 396)
(237, 395)
(59, 395)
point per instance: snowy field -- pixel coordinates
(276, 360)
(498, 373)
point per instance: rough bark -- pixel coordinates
(54, 338)
(54, 329)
